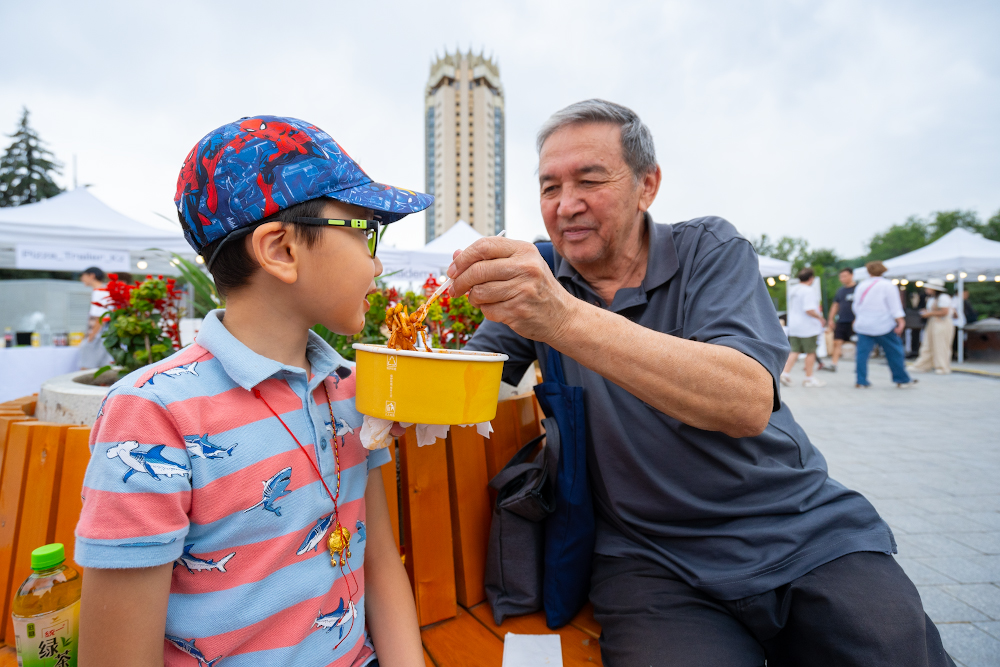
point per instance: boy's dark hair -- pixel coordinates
(96, 272)
(233, 266)
(805, 274)
(847, 269)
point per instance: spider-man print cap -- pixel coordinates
(248, 170)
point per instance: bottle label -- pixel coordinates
(48, 640)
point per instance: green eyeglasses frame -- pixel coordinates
(370, 227)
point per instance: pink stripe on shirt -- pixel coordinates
(109, 515)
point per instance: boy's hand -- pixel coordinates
(397, 430)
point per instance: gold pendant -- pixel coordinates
(340, 545)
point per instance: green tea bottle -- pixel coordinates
(46, 611)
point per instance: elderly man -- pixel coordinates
(721, 540)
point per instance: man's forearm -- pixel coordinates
(711, 387)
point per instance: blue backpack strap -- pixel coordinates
(553, 365)
(548, 253)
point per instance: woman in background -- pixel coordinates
(935, 348)
(92, 351)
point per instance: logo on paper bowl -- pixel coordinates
(390, 362)
(390, 408)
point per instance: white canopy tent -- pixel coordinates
(75, 229)
(433, 258)
(957, 255)
(769, 266)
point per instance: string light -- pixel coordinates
(782, 277)
(770, 282)
(142, 264)
(919, 283)
(963, 274)
(895, 281)
(996, 279)
(982, 279)
(950, 277)
(199, 259)
(904, 282)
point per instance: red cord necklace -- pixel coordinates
(339, 541)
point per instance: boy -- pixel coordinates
(230, 512)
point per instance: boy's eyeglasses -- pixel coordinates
(370, 227)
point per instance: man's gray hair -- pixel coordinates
(637, 140)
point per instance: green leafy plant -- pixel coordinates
(143, 324)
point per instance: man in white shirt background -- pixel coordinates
(805, 323)
(879, 318)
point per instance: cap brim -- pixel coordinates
(395, 203)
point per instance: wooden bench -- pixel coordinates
(439, 503)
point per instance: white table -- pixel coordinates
(24, 369)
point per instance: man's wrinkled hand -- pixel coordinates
(512, 284)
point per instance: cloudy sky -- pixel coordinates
(827, 120)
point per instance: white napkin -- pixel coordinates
(532, 650)
(375, 432)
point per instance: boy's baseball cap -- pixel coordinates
(250, 169)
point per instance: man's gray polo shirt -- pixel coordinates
(733, 517)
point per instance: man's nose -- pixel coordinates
(378, 265)
(570, 204)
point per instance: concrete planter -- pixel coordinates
(64, 401)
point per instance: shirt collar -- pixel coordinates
(248, 369)
(661, 264)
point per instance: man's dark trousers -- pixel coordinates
(858, 610)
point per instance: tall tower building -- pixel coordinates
(464, 144)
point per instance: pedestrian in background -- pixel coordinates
(878, 320)
(935, 348)
(805, 324)
(93, 354)
(841, 321)
(916, 301)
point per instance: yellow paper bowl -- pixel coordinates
(440, 387)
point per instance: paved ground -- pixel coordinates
(929, 460)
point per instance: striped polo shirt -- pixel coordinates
(188, 466)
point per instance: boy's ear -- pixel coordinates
(275, 249)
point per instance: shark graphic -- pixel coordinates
(151, 462)
(199, 447)
(342, 427)
(337, 618)
(186, 369)
(315, 535)
(147, 544)
(100, 413)
(274, 488)
(360, 525)
(193, 563)
(187, 646)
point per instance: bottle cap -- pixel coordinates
(47, 557)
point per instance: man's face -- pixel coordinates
(590, 200)
(846, 278)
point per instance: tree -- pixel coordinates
(27, 168)
(991, 228)
(899, 239)
(945, 221)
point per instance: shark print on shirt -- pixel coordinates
(199, 447)
(337, 618)
(315, 535)
(274, 488)
(151, 462)
(193, 563)
(188, 647)
(186, 369)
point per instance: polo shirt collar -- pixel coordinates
(661, 265)
(248, 369)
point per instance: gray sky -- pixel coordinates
(827, 120)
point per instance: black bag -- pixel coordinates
(515, 555)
